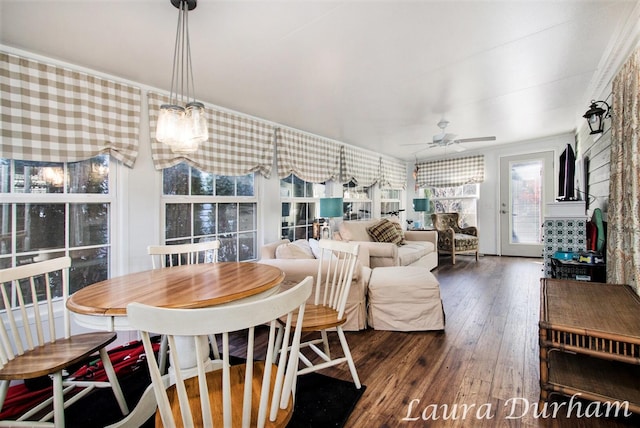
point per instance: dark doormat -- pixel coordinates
(321, 401)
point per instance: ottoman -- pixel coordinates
(404, 298)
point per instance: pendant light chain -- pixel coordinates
(182, 124)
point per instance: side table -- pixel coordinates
(590, 341)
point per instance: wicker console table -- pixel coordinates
(590, 341)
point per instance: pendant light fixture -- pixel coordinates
(182, 124)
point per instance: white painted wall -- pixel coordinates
(488, 205)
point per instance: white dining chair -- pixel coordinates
(333, 282)
(32, 345)
(178, 255)
(183, 254)
(256, 393)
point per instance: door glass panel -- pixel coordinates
(526, 202)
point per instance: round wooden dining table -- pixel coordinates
(103, 305)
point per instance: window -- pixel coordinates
(390, 202)
(299, 200)
(200, 206)
(356, 201)
(49, 210)
(461, 199)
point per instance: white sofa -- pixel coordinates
(297, 261)
(419, 248)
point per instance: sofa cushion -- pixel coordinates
(356, 230)
(385, 231)
(413, 251)
(299, 249)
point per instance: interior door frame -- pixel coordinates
(548, 184)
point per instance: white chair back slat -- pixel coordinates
(199, 323)
(178, 255)
(335, 271)
(18, 334)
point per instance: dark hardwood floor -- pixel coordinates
(486, 359)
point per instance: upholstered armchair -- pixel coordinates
(453, 239)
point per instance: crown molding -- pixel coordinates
(625, 40)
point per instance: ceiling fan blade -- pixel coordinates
(470, 140)
(413, 144)
(458, 148)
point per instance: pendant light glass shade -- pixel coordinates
(182, 128)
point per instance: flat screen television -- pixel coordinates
(567, 176)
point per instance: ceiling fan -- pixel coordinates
(444, 139)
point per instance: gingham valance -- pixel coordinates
(53, 114)
(310, 158)
(359, 166)
(451, 172)
(393, 173)
(237, 145)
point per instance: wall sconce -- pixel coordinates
(329, 207)
(596, 115)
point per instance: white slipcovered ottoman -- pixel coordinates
(404, 298)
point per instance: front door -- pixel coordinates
(526, 185)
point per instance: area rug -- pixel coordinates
(321, 401)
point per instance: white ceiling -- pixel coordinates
(375, 74)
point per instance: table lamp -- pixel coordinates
(421, 205)
(329, 207)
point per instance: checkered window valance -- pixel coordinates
(359, 166)
(310, 158)
(451, 172)
(53, 114)
(237, 145)
(393, 173)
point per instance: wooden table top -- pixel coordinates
(187, 286)
(596, 309)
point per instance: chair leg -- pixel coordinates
(58, 401)
(325, 343)
(4, 389)
(278, 343)
(214, 346)
(347, 354)
(162, 355)
(113, 380)
(453, 258)
(476, 256)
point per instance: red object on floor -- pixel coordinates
(125, 359)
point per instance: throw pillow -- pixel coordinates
(299, 249)
(398, 227)
(385, 231)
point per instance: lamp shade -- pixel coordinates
(331, 207)
(421, 204)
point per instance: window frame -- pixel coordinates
(318, 190)
(364, 202)
(67, 199)
(466, 218)
(192, 200)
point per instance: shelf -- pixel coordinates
(593, 378)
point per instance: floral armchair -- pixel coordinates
(453, 239)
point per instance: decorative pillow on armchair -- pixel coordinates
(385, 231)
